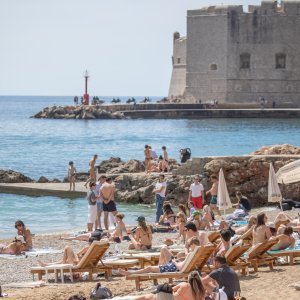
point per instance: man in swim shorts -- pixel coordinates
(196, 193)
(214, 194)
(107, 192)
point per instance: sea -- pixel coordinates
(43, 147)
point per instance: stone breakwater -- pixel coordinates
(78, 112)
(248, 174)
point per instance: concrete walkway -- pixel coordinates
(44, 189)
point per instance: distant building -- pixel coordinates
(230, 55)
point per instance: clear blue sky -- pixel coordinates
(45, 45)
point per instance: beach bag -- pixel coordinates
(100, 292)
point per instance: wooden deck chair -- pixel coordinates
(233, 257)
(245, 238)
(291, 254)
(189, 266)
(88, 263)
(213, 236)
(258, 254)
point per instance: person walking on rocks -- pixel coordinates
(214, 194)
(196, 193)
(92, 170)
(71, 175)
(166, 158)
(107, 192)
(160, 194)
(147, 153)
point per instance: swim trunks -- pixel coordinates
(197, 202)
(110, 206)
(213, 200)
(169, 267)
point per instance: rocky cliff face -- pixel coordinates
(77, 112)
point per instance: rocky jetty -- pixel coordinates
(10, 176)
(77, 112)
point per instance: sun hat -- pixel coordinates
(20, 238)
(141, 219)
(196, 213)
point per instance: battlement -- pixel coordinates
(267, 7)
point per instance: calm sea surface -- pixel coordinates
(39, 147)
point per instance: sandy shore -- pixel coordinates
(265, 284)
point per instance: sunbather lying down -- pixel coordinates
(169, 264)
(69, 256)
(14, 248)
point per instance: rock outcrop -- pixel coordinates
(284, 149)
(78, 112)
(10, 176)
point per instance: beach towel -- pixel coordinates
(31, 253)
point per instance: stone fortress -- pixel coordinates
(234, 56)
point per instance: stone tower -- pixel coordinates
(234, 56)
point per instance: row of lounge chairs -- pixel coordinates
(240, 257)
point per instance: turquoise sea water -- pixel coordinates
(44, 147)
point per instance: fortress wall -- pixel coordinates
(263, 33)
(178, 78)
(206, 56)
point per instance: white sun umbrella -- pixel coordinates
(274, 194)
(289, 173)
(224, 201)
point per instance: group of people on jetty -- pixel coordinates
(193, 221)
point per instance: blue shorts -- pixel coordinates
(169, 267)
(213, 200)
(99, 206)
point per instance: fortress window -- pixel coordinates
(280, 60)
(178, 60)
(213, 67)
(245, 61)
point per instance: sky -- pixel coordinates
(126, 45)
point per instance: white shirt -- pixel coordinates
(158, 187)
(196, 189)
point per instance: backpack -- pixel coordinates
(99, 292)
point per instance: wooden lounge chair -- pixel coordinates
(213, 236)
(258, 254)
(233, 257)
(291, 254)
(197, 259)
(88, 263)
(246, 238)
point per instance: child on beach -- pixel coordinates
(182, 209)
(191, 208)
(181, 223)
(71, 175)
(119, 233)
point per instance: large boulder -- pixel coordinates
(106, 165)
(277, 149)
(10, 176)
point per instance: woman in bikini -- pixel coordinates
(285, 240)
(168, 218)
(14, 248)
(147, 153)
(142, 239)
(119, 233)
(261, 232)
(25, 233)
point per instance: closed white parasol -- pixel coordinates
(289, 173)
(224, 201)
(274, 194)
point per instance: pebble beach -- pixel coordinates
(264, 284)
